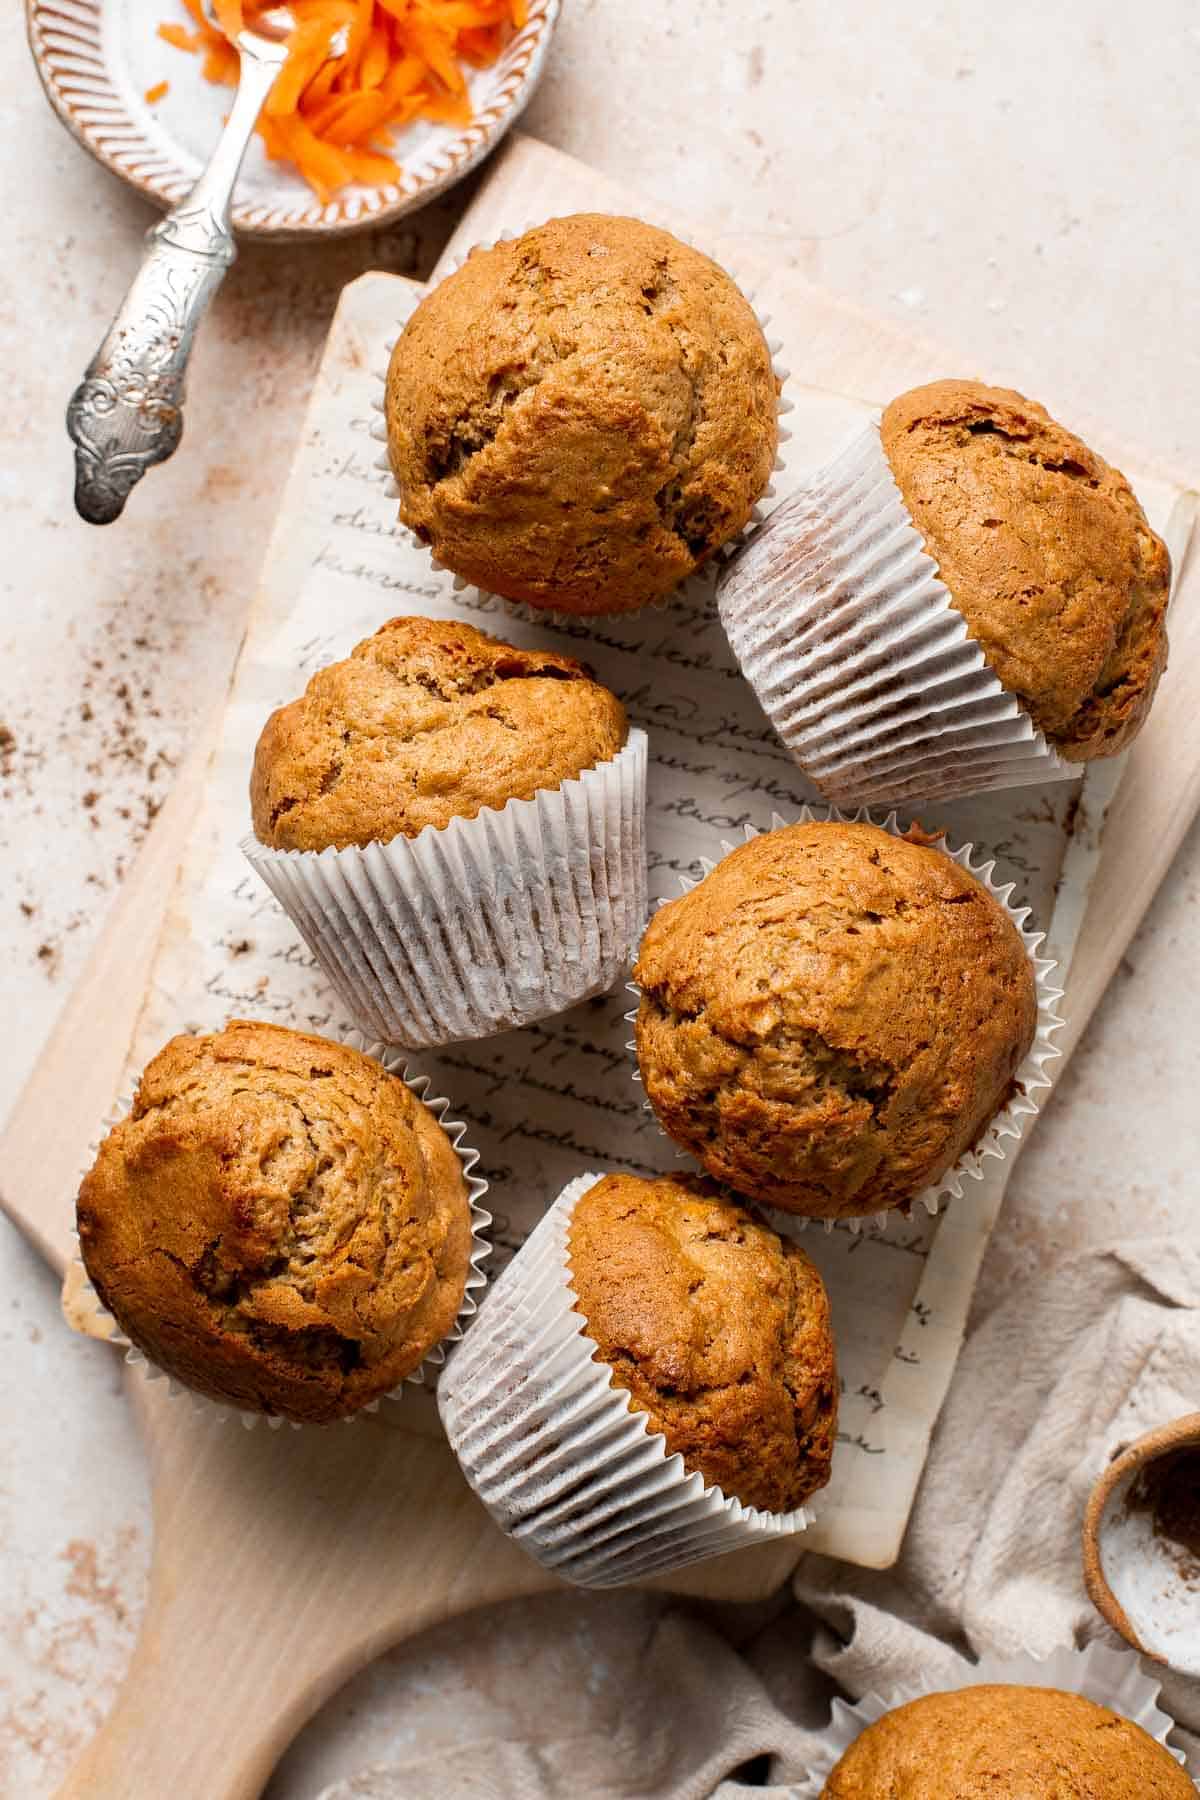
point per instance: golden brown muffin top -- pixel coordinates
(427, 721)
(832, 1017)
(1045, 552)
(1006, 1743)
(718, 1328)
(278, 1223)
(580, 417)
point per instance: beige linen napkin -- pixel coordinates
(630, 1697)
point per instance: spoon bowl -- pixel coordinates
(271, 25)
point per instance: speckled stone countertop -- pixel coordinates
(1010, 180)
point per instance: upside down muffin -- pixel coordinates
(1006, 1743)
(832, 1017)
(718, 1328)
(1045, 552)
(278, 1223)
(426, 721)
(580, 417)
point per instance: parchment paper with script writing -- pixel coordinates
(548, 1102)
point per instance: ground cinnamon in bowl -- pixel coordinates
(1141, 1544)
(1169, 1491)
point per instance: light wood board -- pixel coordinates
(282, 1561)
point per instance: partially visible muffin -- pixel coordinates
(718, 1328)
(426, 721)
(832, 1017)
(1006, 1743)
(278, 1223)
(1045, 552)
(581, 417)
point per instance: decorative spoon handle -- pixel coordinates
(127, 412)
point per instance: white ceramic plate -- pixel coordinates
(98, 58)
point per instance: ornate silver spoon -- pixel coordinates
(127, 412)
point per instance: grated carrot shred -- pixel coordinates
(221, 63)
(436, 43)
(320, 87)
(404, 78)
(229, 17)
(179, 37)
(154, 94)
(307, 55)
(329, 112)
(364, 114)
(480, 47)
(447, 109)
(375, 58)
(373, 168)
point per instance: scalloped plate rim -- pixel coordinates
(463, 149)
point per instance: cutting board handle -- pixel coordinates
(283, 1562)
(165, 1737)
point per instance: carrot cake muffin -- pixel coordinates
(1046, 553)
(279, 1223)
(1021, 1743)
(580, 417)
(718, 1328)
(967, 598)
(832, 1017)
(426, 721)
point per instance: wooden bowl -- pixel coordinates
(98, 58)
(1144, 1581)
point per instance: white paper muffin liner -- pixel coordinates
(704, 577)
(455, 1129)
(1010, 1122)
(1112, 1678)
(846, 632)
(552, 1449)
(485, 924)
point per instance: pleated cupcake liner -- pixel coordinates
(846, 632)
(485, 924)
(552, 1449)
(701, 582)
(1010, 1123)
(1112, 1678)
(481, 1248)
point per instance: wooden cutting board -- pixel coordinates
(282, 1561)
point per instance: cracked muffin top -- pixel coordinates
(718, 1328)
(1024, 1743)
(278, 1223)
(1045, 552)
(832, 1017)
(580, 417)
(427, 721)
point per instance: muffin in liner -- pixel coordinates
(393, 1061)
(705, 575)
(552, 1449)
(485, 924)
(1009, 1124)
(1112, 1678)
(846, 632)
